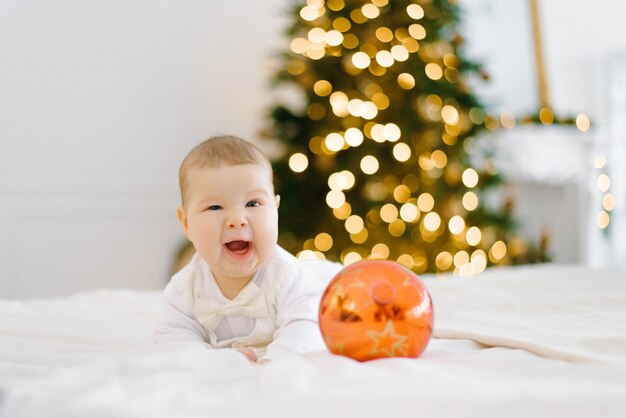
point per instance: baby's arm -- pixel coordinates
(177, 323)
(296, 320)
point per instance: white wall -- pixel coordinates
(101, 99)
(99, 102)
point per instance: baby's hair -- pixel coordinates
(217, 151)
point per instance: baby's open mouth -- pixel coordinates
(238, 246)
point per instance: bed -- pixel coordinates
(531, 341)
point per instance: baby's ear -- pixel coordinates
(277, 198)
(182, 218)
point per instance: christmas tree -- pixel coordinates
(377, 160)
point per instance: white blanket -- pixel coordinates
(561, 312)
(90, 355)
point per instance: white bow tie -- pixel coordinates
(250, 302)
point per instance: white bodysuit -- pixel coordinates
(275, 314)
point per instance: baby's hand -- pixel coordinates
(264, 361)
(249, 353)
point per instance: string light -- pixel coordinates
(415, 11)
(341, 24)
(497, 251)
(377, 132)
(357, 16)
(507, 120)
(439, 159)
(298, 162)
(473, 236)
(381, 101)
(426, 162)
(389, 213)
(335, 199)
(456, 224)
(583, 123)
(425, 202)
(350, 258)
(299, 45)
(339, 103)
(353, 137)
(296, 67)
(315, 145)
(310, 255)
(470, 178)
(409, 212)
(406, 260)
(368, 110)
(450, 60)
(603, 219)
(546, 116)
(450, 115)
(333, 38)
(397, 228)
(359, 238)
(354, 224)
(417, 31)
(370, 11)
(317, 35)
(443, 261)
(369, 164)
(399, 53)
(608, 202)
(343, 211)
(433, 71)
(391, 132)
(432, 221)
(323, 241)
(335, 5)
(384, 34)
(401, 193)
(461, 258)
(401, 152)
(361, 60)
(384, 58)
(406, 81)
(309, 13)
(355, 107)
(334, 142)
(604, 182)
(380, 251)
(599, 161)
(322, 88)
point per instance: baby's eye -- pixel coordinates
(214, 207)
(253, 204)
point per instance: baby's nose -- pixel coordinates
(237, 221)
(240, 224)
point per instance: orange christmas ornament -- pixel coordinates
(374, 309)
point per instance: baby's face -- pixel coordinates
(231, 216)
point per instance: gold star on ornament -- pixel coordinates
(338, 287)
(388, 342)
(408, 281)
(334, 347)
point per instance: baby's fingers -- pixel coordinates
(248, 353)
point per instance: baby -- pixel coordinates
(240, 290)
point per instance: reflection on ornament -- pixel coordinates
(375, 309)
